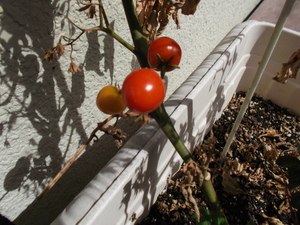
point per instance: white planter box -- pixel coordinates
(129, 184)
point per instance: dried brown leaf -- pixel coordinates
(49, 55)
(191, 171)
(289, 69)
(271, 133)
(60, 50)
(92, 12)
(84, 7)
(169, 11)
(92, 9)
(154, 15)
(117, 133)
(190, 7)
(272, 220)
(207, 148)
(73, 68)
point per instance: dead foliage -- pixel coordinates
(154, 15)
(191, 172)
(249, 183)
(289, 69)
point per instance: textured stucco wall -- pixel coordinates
(47, 113)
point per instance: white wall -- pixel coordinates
(47, 113)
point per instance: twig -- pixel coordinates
(82, 32)
(101, 127)
(70, 162)
(62, 171)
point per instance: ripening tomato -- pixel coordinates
(109, 100)
(143, 90)
(164, 50)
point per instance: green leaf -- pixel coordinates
(289, 162)
(295, 200)
(211, 218)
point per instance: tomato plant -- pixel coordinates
(164, 51)
(143, 90)
(109, 100)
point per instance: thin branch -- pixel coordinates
(62, 171)
(73, 23)
(103, 14)
(102, 126)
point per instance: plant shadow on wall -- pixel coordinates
(37, 97)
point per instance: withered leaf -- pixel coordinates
(289, 69)
(84, 7)
(74, 68)
(272, 220)
(154, 15)
(271, 133)
(49, 55)
(190, 7)
(60, 50)
(117, 133)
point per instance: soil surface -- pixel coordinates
(250, 185)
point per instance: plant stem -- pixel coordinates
(107, 29)
(162, 118)
(160, 115)
(111, 32)
(139, 39)
(210, 193)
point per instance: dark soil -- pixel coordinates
(250, 185)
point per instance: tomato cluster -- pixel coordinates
(143, 90)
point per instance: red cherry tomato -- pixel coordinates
(169, 52)
(109, 100)
(143, 90)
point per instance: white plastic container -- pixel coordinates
(124, 190)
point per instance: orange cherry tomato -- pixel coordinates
(109, 100)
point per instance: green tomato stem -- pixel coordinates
(210, 194)
(139, 39)
(163, 119)
(108, 30)
(160, 115)
(112, 33)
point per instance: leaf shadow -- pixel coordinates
(39, 96)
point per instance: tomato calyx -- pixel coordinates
(165, 64)
(164, 53)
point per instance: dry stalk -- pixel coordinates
(61, 172)
(117, 133)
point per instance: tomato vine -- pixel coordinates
(160, 59)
